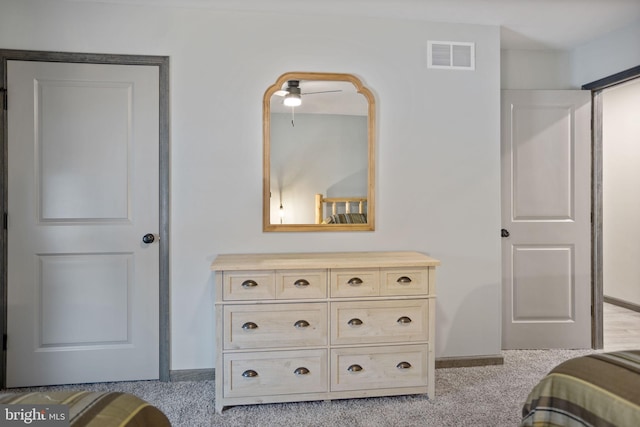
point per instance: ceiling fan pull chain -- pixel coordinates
(293, 113)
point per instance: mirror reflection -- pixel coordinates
(318, 142)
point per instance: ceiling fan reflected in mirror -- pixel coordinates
(293, 95)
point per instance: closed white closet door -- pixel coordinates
(82, 193)
(546, 211)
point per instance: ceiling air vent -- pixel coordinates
(451, 55)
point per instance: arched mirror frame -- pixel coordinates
(266, 104)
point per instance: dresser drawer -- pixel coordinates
(248, 285)
(404, 281)
(379, 367)
(274, 325)
(372, 322)
(300, 284)
(355, 283)
(275, 373)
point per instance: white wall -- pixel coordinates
(554, 69)
(607, 55)
(437, 176)
(535, 69)
(621, 198)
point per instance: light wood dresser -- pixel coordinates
(322, 326)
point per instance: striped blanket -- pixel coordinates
(596, 390)
(95, 409)
(346, 218)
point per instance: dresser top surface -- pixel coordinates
(322, 260)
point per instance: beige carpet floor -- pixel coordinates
(490, 396)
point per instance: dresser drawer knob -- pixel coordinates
(354, 368)
(354, 322)
(301, 283)
(250, 373)
(301, 371)
(355, 281)
(403, 365)
(404, 280)
(249, 325)
(301, 324)
(248, 284)
(404, 320)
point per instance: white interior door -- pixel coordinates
(546, 210)
(82, 192)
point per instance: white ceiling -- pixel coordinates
(525, 24)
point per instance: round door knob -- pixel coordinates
(148, 238)
(504, 233)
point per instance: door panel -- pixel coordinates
(82, 191)
(542, 142)
(93, 288)
(546, 206)
(93, 143)
(546, 298)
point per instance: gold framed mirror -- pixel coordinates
(318, 158)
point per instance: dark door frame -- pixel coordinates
(597, 295)
(162, 62)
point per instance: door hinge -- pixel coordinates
(5, 221)
(3, 96)
(4, 342)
